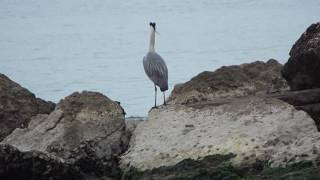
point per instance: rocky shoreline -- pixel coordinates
(258, 120)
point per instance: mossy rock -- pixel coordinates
(211, 167)
(218, 167)
(303, 170)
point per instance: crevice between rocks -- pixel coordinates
(55, 124)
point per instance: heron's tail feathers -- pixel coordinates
(164, 87)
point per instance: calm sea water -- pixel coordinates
(56, 47)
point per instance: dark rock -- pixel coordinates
(302, 69)
(299, 98)
(17, 106)
(230, 81)
(34, 165)
(302, 72)
(309, 41)
(88, 160)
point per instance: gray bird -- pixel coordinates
(155, 67)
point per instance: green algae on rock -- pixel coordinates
(218, 167)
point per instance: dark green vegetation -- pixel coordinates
(298, 171)
(218, 167)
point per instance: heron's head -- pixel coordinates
(153, 25)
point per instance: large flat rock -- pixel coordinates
(252, 128)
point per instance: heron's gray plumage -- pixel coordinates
(155, 67)
(156, 70)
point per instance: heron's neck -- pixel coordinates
(152, 40)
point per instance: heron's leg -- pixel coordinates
(155, 95)
(164, 98)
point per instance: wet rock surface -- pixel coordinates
(302, 69)
(18, 105)
(86, 129)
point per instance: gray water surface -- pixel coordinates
(56, 47)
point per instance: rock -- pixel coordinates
(278, 85)
(302, 69)
(306, 100)
(229, 81)
(219, 167)
(211, 167)
(87, 129)
(34, 165)
(17, 106)
(132, 124)
(309, 41)
(232, 123)
(254, 129)
(302, 73)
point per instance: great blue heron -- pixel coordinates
(155, 67)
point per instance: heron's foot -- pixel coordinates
(165, 104)
(154, 107)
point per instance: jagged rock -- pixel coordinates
(252, 128)
(230, 81)
(17, 106)
(87, 129)
(302, 69)
(34, 165)
(302, 73)
(308, 41)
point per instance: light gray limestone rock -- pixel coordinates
(252, 128)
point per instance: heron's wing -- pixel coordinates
(156, 69)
